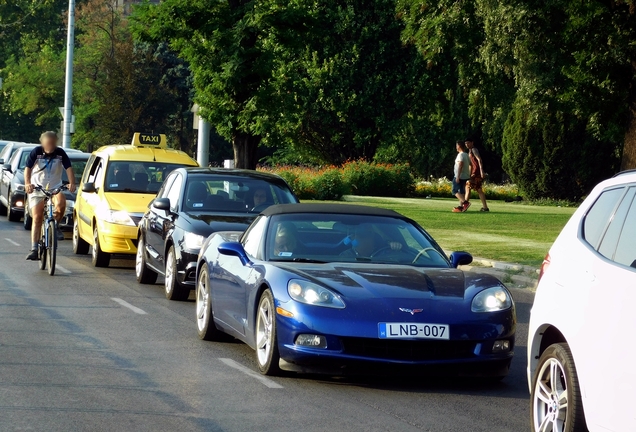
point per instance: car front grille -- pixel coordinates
(408, 350)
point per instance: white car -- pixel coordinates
(582, 332)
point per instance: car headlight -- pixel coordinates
(119, 217)
(491, 300)
(193, 241)
(313, 294)
(19, 187)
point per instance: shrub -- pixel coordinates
(312, 183)
(441, 188)
(375, 179)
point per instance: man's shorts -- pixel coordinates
(459, 187)
(475, 183)
(35, 198)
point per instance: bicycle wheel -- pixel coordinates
(52, 246)
(43, 248)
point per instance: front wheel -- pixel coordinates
(28, 220)
(267, 355)
(43, 249)
(174, 290)
(142, 272)
(556, 395)
(52, 248)
(80, 247)
(100, 258)
(12, 216)
(205, 315)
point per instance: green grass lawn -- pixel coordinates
(511, 232)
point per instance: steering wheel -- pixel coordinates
(420, 253)
(379, 251)
(259, 208)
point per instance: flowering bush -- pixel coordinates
(312, 183)
(442, 188)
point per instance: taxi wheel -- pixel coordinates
(142, 272)
(80, 247)
(100, 258)
(174, 290)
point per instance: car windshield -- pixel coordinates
(78, 169)
(231, 194)
(328, 238)
(137, 177)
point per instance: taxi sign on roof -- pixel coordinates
(149, 140)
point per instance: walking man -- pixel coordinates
(44, 167)
(461, 175)
(477, 175)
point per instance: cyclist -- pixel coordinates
(44, 167)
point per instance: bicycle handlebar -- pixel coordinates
(50, 193)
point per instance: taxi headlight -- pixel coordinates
(311, 293)
(492, 300)
(193, 241)
(119, 217)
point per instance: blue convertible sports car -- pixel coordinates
(348, 289)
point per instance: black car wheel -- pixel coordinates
(205, 322)
(12, 216)
(100, 258)
(174, 290)
(143, 273)
(267, 355)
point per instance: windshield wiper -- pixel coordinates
(308, 260)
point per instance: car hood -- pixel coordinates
(130, 202)
(18, 177)
(387, 281)
(207, 223)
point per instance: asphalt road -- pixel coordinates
(91, 350)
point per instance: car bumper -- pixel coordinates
(187, 268)
(17, 202)
(117, 239)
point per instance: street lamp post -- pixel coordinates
(68, 89)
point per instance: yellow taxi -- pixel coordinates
(118, 183)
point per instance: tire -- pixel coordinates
(206, 328)
(555, 381)
(28, 220)
(42, 249)
(267, 355)
(100, 258)
(80, 246)
(3, 209)
(174, 290)
(12, 216)
(52, 252)
(142, 272)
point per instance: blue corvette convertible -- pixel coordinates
(348, 289)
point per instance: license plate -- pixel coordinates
(412, 330)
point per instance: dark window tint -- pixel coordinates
(626, 251)
(598, 216)
(611, 236)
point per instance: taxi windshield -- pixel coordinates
(342, 238)
(137, 177)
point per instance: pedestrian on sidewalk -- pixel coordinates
(477, 175)
(461, 175)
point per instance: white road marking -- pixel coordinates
(62, 269)
(12, 242)
(249, 372)
(135, 309)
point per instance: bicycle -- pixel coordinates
(48, 243)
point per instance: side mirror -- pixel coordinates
(234, 249)
(6, 167)
(89, 187)
(460, 258)
(161, 204)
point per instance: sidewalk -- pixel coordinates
(512, 275)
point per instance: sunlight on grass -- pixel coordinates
(510, 232)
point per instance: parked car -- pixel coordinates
(118, 184)
(78, 161)
(12, 194)
(5, 157)
(581, 343)
(192, 204)
(339, 288)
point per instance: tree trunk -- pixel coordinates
(245, 147)
(629, 147)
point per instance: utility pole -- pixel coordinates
(203, 137)
(68, 89)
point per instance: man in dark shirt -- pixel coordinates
(44, 167)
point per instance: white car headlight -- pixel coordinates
(193, 241)
(491, 300)
(119, 217)
(19, 187)
(311, 293)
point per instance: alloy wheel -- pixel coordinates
(264, 330)
(551, 397)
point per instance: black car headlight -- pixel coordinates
(491, 300)
(313, 294)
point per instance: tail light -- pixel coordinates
(544, 266)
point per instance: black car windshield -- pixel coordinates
(328, 238)
(137, 177)
(233, 194)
